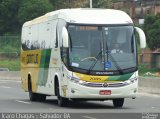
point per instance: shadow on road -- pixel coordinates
(85, 104)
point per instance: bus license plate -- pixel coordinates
(105, 92)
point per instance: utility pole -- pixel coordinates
(90, 3)
(154, 6)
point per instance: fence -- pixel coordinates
(9, 53)
(9, 46)
(150, 58)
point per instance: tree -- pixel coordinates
(31, 9)
(102, 3)
(13, 13)
(8, 15)
(152, 30)
(61, 4)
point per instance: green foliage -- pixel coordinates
(10, 44)
(57, 3)
(12, 65)
(152, 31)
(102, 3)
(8, 48)
(31, 9)
(13, 13)
(61, 4)
(8, 16)
(9, 52)
(143, 69)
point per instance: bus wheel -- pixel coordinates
(41, 97)
(62, 102)
(118, 102)
(32, 96)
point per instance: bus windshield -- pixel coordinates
(102, 48)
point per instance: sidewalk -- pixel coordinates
(10, 75)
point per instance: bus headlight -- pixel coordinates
(130, 81)
(74, 79)
(77, 80)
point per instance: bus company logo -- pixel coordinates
(149, 116)
(105, 85)
(32, 58)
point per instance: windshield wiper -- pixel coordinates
(112, 59)
(116, 65)
(94, 63)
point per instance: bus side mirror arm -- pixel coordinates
(142, 37)
(65, 37)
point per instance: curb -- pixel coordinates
(10, 78)
(149, 85)
(10, 75)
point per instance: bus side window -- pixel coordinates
(56, 42)
(64, 56)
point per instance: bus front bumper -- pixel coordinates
(85, 92)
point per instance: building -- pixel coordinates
(137, 9)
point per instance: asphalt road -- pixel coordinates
(14, 100)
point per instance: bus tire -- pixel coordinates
(32, 96)
(62, 102)
(41, 97)
(118, 102)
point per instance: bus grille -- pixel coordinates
(102, 84)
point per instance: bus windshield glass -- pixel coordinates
(102, 48)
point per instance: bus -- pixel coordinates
(81, 54)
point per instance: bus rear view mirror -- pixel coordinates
(142, 37)
(65, 37)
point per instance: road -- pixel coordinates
(14, 99)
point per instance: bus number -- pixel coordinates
(92, 78)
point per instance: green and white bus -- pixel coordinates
(81, 54)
